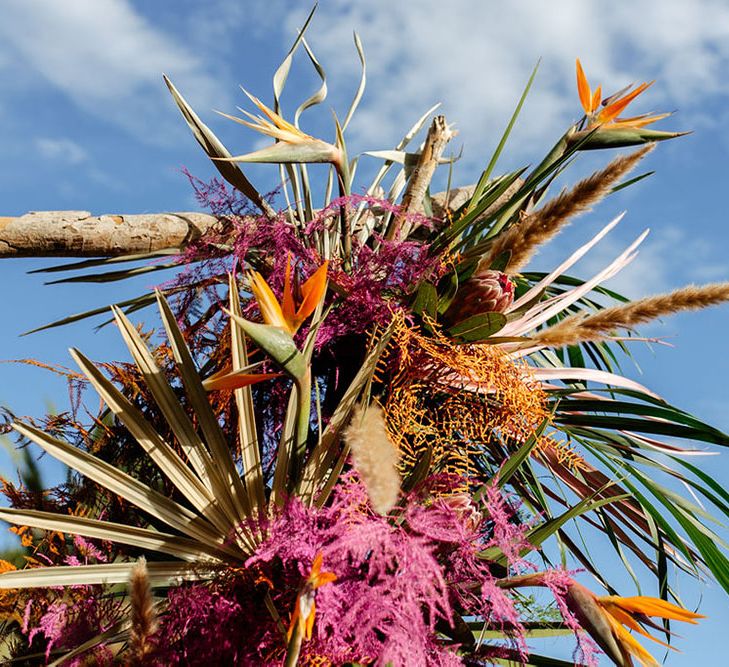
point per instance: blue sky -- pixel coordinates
(86, 123)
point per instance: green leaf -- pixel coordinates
(478, 327)
(426, 300)
(113, 276)
(141, 301)
(512, 464)
(540, 533)
(89, 263)
(502, 261)
(277, 343)
(504, 137)
(419, 471)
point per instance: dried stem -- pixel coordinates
(438, 137)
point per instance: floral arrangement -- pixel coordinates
(368, 428)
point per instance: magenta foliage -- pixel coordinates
(558, 581)
(390, 589)
(221, 624)
(507, 535)
(367, 292)
(86, 550)
(64, 625)
(396, 581)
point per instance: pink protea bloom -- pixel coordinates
(487, 291)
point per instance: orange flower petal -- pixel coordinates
(278, 120)
(583, 89)
(294, 621)
(611, 111)
(287, 306)
(631, 646)
(316, 566)
(324, 578)
(636, 122)
(267, 301)
(309, 627)
(312, 291)
(654, 607)
(626, 619)
(596, 99)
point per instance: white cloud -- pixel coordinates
(106, 57)
(61, 149)
(661, 263)
(476, 56)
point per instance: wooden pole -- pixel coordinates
(80, 234)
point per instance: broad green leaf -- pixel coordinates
(426, 300)
(478, 327)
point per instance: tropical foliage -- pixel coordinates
(368, 429)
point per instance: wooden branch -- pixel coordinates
(438, 137)
(79, 234)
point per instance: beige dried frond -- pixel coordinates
(580, 329)
(374, 455)
(523, 238)
(143, 616)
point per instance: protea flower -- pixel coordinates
(485, 292)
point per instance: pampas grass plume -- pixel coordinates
(143, 616)
(374, 455)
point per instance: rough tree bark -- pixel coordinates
(80, 234)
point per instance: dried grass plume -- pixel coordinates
(523, 238)
(143, 616)
(374, 455)
(580, 329)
